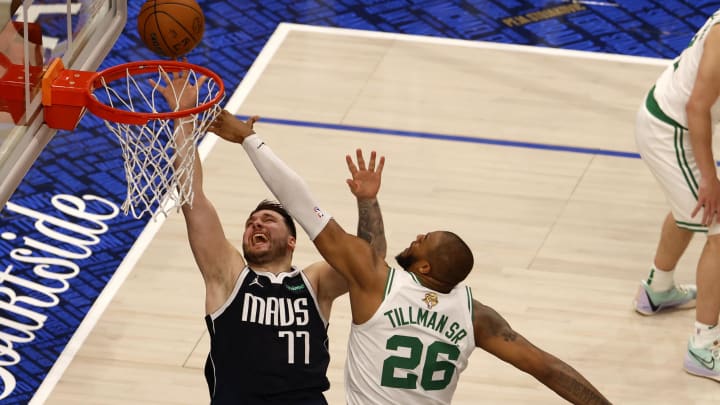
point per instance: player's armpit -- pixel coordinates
(329, 283)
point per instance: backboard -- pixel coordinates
(33, 33)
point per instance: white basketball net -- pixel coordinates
(159, 158)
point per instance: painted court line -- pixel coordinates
(450, 137)
(469, 44)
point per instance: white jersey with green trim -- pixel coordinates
(673, 88)
(414, 347)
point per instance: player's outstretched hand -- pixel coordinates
(178, 91)
(231, 128)
(365, 181)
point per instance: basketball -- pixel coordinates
(171, 28)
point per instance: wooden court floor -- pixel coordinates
(561, 239)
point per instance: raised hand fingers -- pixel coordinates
(200, 80)
(166, 77)
(180, 73)
(351, 166)
(380, 165)
(371, 165)
(360, 159)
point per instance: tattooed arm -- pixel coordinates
(365, 184)
(370, 225)
(494, 335)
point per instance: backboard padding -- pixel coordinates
(81, 33)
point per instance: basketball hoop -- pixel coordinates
(137, 113)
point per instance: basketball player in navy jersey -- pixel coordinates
(413, 330)
(267, 319)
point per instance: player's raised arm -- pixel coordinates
(494, 335)
(353, 257)
(218, 260)
(365, 184)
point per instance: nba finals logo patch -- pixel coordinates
(431, 299)
(318, 212)
(295, 288)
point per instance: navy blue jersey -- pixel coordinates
(268, 342)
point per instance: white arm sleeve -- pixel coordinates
(287, 186)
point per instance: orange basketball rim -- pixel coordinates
(67, 93)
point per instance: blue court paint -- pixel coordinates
(448, 137)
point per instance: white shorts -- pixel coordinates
(664, 146)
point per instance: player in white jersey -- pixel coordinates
(674, 130)
(413, 329)
(434, 329)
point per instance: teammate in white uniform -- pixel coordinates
(674, 130)
(414, 329)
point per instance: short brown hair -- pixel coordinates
(277, 207)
